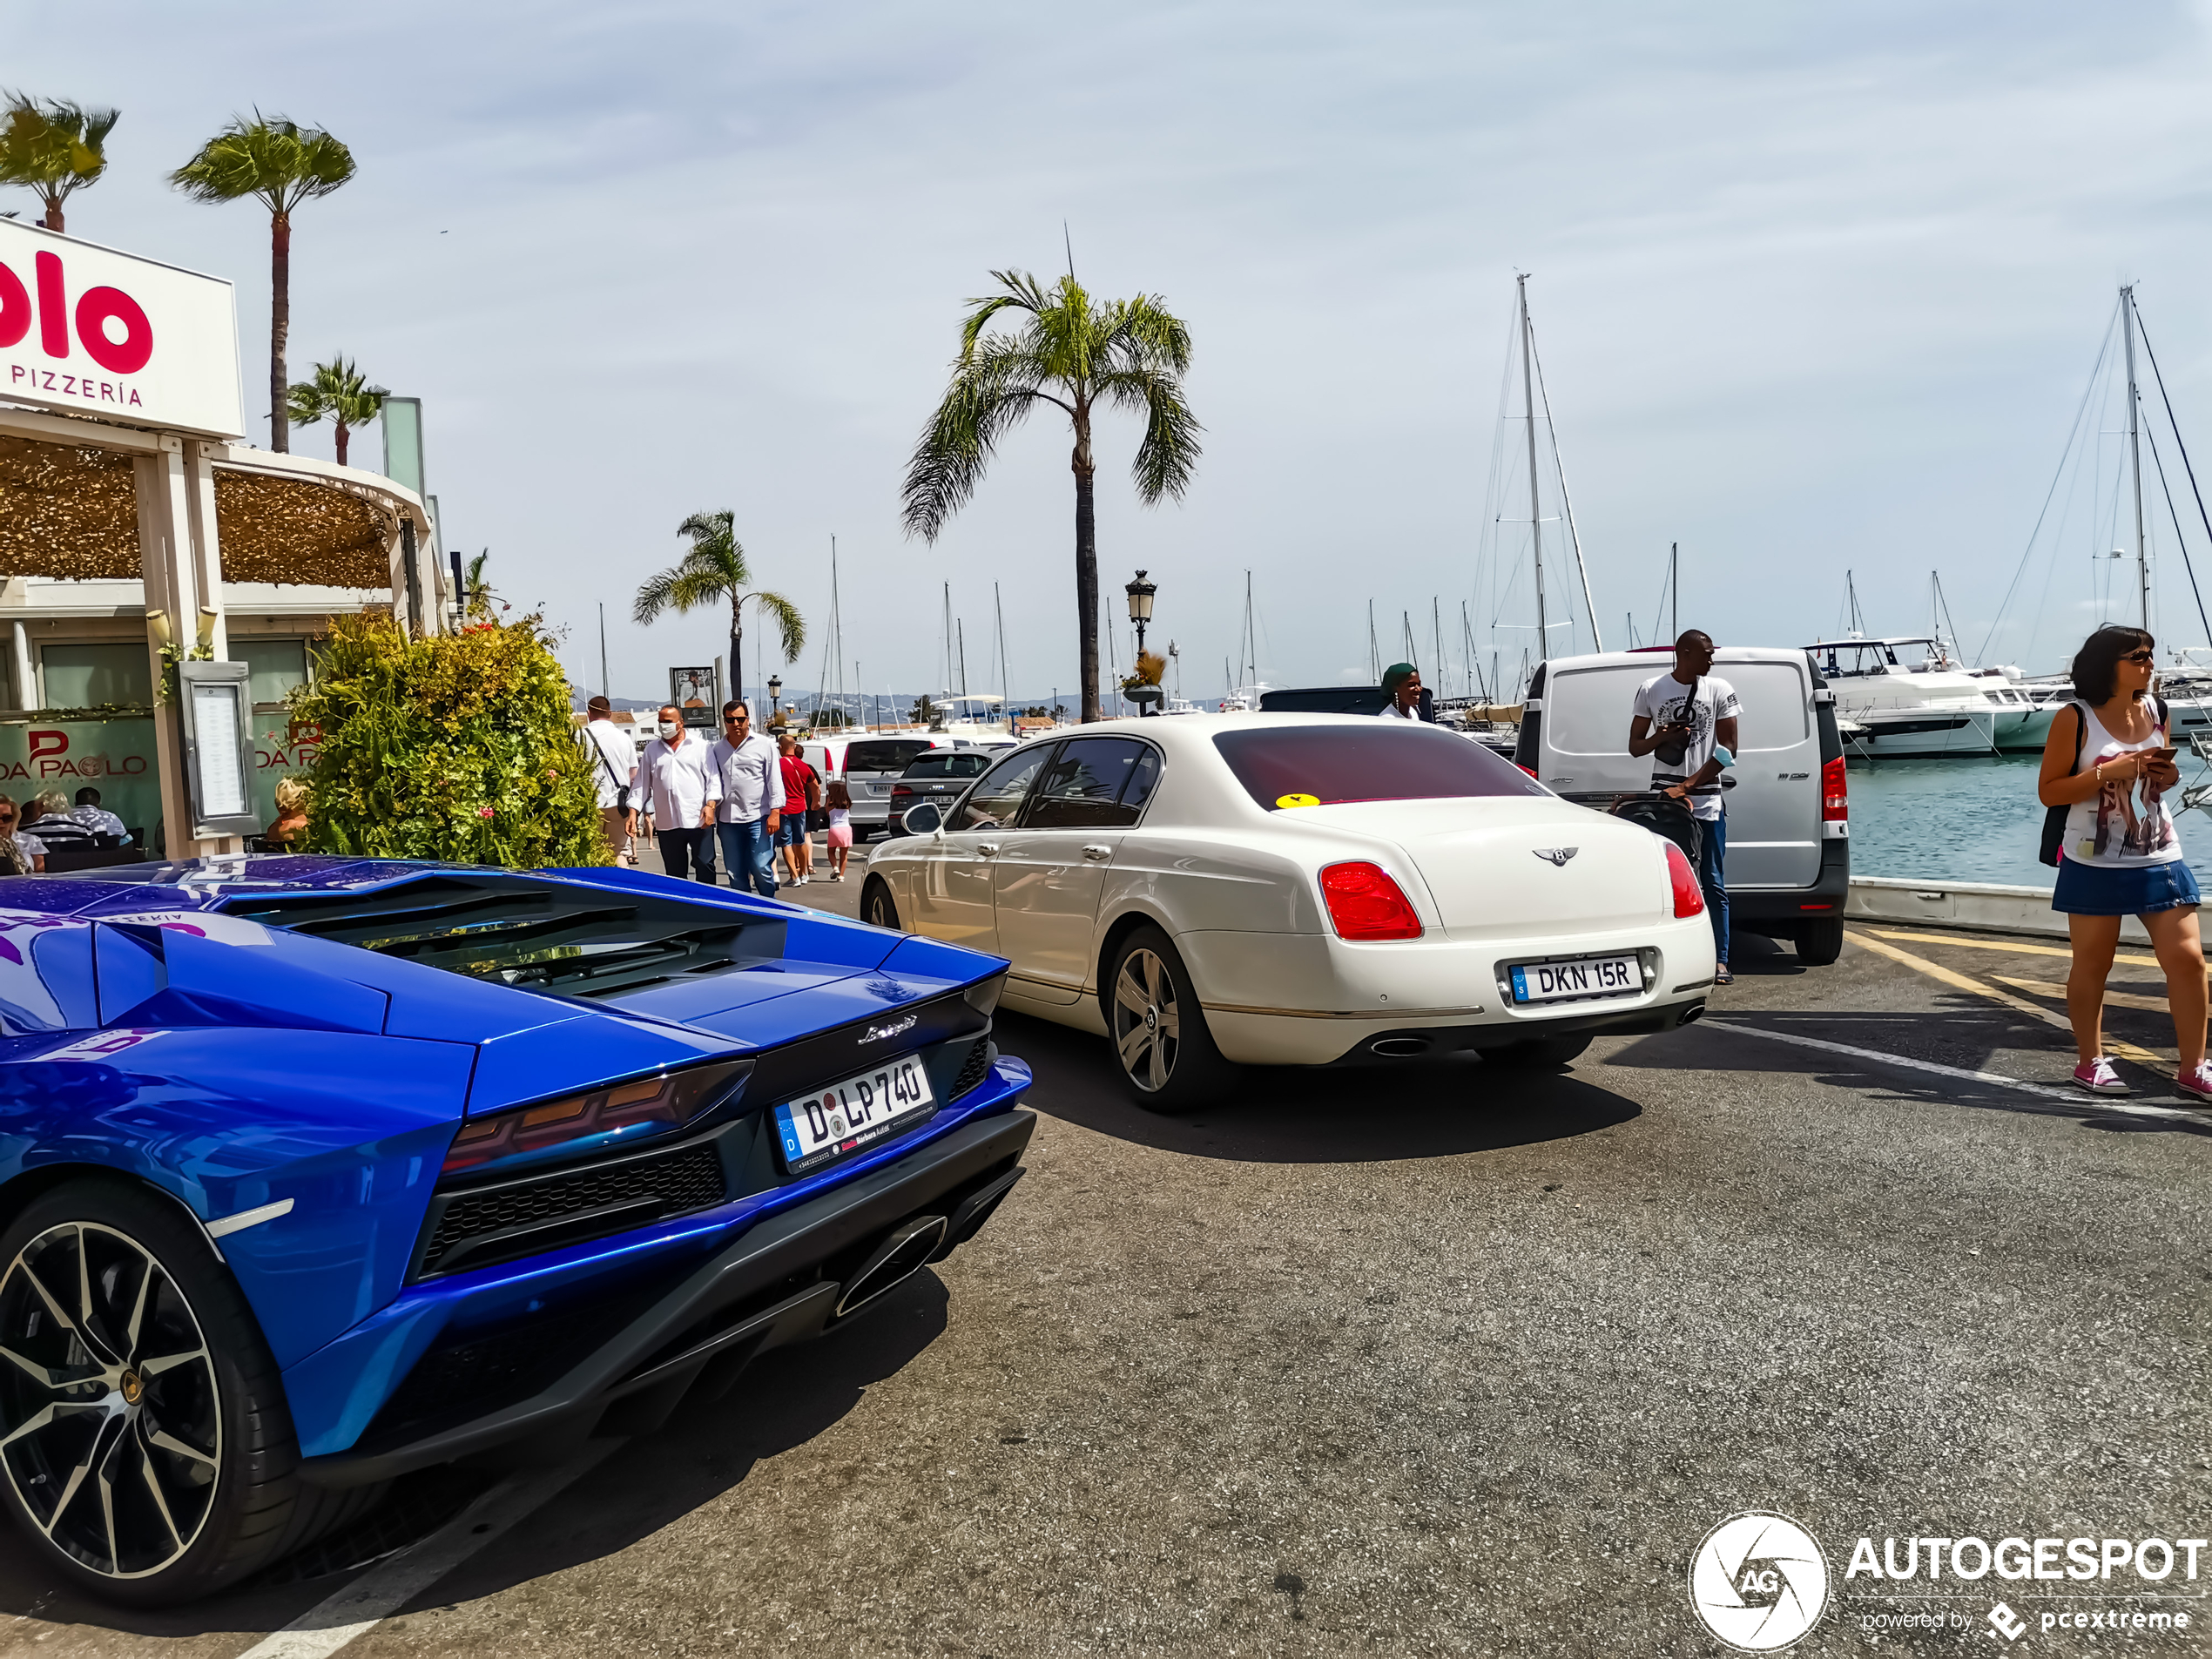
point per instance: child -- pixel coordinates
(840, 827)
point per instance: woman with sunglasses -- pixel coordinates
(20, 854)
(2108, 763)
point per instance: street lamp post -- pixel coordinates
(775, 689)
(1140, 612)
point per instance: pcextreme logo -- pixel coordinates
(1759, 1582)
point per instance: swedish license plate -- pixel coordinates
(1590, 976)
(856, 1113)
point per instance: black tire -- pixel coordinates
(1820, 941)
(197, 1456)
(1166, 1054)
(877, 907)
(1541, 1053)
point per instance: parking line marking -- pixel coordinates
(2115, 999)
(2005, 999)
(2049, 1091)
(391, 1584)
(2132, 959)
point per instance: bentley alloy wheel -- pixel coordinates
(110, 1419)
(1147, 1024)
(1159, 1031)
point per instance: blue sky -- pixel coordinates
(1815, 288)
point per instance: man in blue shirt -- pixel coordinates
(750, 774)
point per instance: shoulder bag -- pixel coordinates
(622, 789)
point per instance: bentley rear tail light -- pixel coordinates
(1690, 899)
(1366, 904)
(613, 1116)
(1835, 803)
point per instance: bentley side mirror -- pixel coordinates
(924, 820)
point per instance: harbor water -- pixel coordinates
(1972, 821)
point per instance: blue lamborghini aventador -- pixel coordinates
(314, 1171)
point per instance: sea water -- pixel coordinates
(1973, 820)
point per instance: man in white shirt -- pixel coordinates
(89, 812)
(1680, 719)
(684, 792)
(614, 764)
(752, 776)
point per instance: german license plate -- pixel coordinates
(1589, 976)
(856, 1113)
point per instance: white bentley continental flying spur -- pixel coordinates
(1288, 889)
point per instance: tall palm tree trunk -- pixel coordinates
(279, 328)
(53, 212)
(1086, 572)
(344, 432)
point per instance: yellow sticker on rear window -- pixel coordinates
(1297, 800)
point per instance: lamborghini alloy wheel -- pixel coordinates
(146, 1450)
(109, 1416)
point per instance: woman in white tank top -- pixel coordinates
(2108, 762)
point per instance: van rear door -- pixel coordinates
(1774, 808)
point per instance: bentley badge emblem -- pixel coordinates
(1558, 855)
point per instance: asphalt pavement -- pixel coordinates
(1425, 1360)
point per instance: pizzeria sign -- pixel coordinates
(86, 330)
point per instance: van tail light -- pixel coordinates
(1531, 771)
(1689, 899)
(1365, 903)
(1835, 801)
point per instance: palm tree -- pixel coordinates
(714, 569)
(280, 164)
(54, 147)
(1078, 355)
(476, 598)
(338, 392)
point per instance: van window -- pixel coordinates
(1587, 711)
(885, 754)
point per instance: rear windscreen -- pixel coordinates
(949, 766)
(1321, 766)
(888, 755)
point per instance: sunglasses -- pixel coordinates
(736, 720)
(2143, 657)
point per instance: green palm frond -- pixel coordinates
(53, 146)
(1065, 348)
(791, 627)
(278, 162)
(340, 392)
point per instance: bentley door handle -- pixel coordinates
(987, 847)
(1095, 853)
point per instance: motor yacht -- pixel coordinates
(1912, 698)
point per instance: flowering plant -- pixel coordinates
(460, 746)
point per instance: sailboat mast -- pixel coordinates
(1006, 691)
(1535, 516)
(1374, 655)
(948, 639)
(2135, 456)
(1674, 588)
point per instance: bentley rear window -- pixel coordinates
(1286, 767)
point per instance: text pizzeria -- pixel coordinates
(84, 385)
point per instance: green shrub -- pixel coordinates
(457, 747)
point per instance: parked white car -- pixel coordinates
(1290, 889)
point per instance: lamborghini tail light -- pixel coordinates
(615, 1116)
(1366, 904)
(1690, 899)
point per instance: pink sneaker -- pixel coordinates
(2099, 1078)
(2197, 1085)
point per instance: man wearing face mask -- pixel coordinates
(684, 790)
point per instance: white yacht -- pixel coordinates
(1912, 698)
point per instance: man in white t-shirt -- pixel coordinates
(614, 764)
(752, 775)
(1680, 720)
(683, 791)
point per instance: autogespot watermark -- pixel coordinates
(1759, 1582)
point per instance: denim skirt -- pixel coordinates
(2126, 890)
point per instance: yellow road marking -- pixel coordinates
(2115, 999)
(1960, 983)
(2132, 959)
